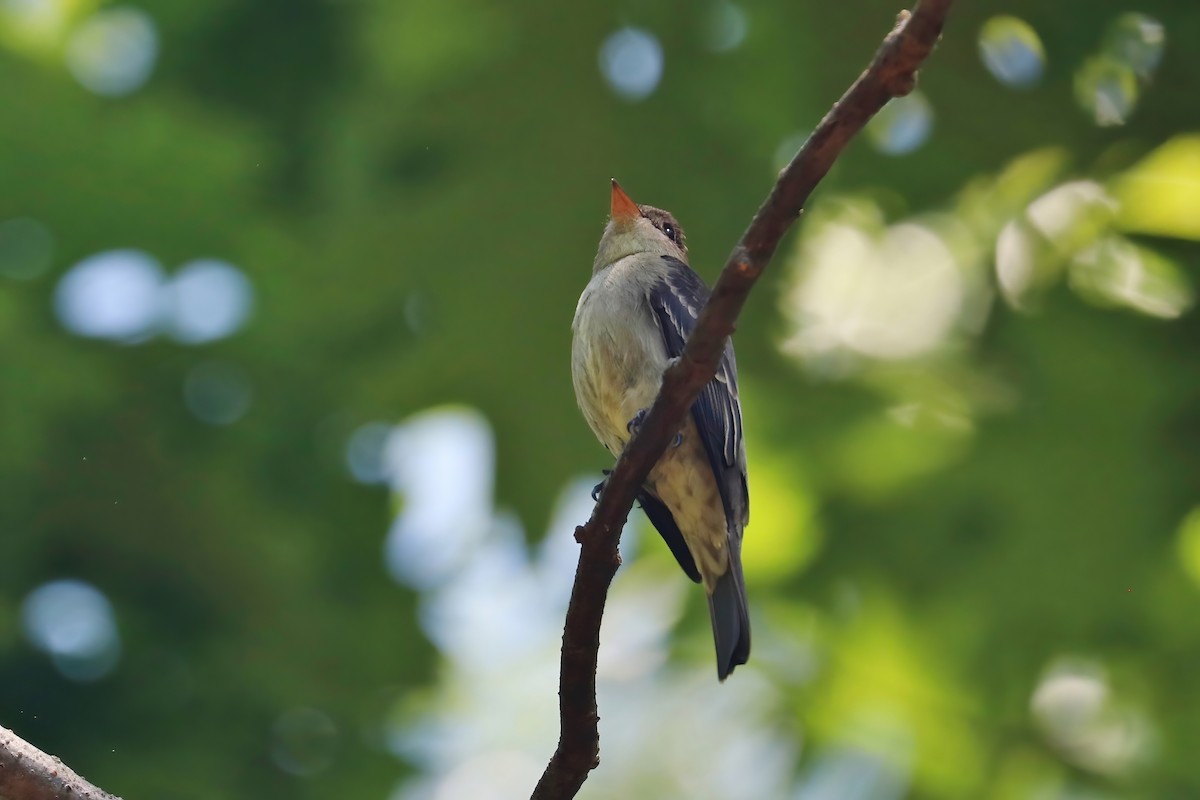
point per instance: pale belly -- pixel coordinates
(616, 373)
(610, 394)
(683, 480)
(616, 366)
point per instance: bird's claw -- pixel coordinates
(635, 425)
(599, 487)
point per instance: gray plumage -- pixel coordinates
(633, 317)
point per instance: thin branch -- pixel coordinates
(892, 73)
(27, 773)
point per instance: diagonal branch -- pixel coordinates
(27, 773)
(892, 73)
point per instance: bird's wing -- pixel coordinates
(676, 300)
(660, 517)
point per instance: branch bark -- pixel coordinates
(892, 73)
(27, 773)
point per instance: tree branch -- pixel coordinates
(27, 773)
(892, 73)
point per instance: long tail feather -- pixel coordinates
(730, 620)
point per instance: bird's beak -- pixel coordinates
(623, 207)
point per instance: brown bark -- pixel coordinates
(27, 773)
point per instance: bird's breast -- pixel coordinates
(617, 357)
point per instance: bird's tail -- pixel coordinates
(730, 619)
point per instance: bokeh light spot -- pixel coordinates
(785, 536)
(441, 463)
(894, 296)
(111, 295)
(1012, 51)
(1072, 214)
(724, 27)
(1189, 545)
(26, 247)
(631, 60)
(217, 392)
(207, 300)
(1137, 41)
(74, 623)
(1160, 195)
(32, 11)
(847, 772)
(1075, 708)
(559, 551)
(1033, 249)
(902, 126)
(365, 452)
(36, 26)
(113, 52)
(1070, 696)
(303, 741)
(1016, 265)
(1115, 271)
(1107, 89)
(506, 627)
(495, 775)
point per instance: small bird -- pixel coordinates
(632, 320)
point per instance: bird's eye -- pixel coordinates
(669, 230)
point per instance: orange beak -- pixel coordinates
(623, 208)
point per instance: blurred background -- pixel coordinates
(290, 460)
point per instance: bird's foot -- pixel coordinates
(599, 487)
(635, 425)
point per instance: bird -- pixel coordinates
(632, 320)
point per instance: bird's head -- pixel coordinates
(634, 229)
